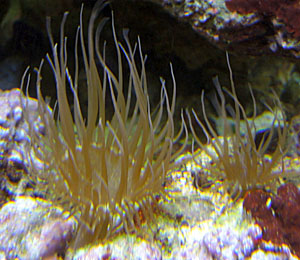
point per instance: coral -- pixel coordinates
(285, 11)
(112, 169)
(278, 215)
(237, 155)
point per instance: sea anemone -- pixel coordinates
(238, 156)
(111, 169)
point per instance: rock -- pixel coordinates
(123, 248)
(16, 167)
(277, 215)
(34, 229)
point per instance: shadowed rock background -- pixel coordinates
(192, 35)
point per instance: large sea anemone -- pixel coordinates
(111, 169)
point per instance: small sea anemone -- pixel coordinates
(112, 169)
(237, 155)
